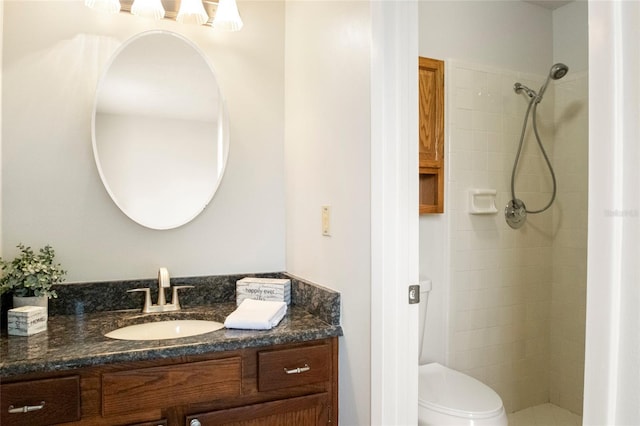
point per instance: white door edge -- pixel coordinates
(394, 212)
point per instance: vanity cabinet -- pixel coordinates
(288, 384)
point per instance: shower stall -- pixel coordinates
(517, 296)
(513, 298)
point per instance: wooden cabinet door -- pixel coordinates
(431, 132)
(171, 385)
(310, 410)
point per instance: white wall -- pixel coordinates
(327, 160)
(570, 36)
(512, 35)
(569, 276)
(570, 158)
(1, 131)
(54, 52)
(612, 364)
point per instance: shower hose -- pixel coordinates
(532, 103)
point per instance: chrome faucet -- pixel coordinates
(162, 306)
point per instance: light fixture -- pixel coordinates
(148, 9)
(222, 15)
(107, 6)
(192, 12)
(227, 17)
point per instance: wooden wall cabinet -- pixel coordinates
(293, 384)
(431, 135)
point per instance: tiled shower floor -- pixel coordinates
(544, 415)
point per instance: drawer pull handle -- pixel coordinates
(26, 408)
(298, 370)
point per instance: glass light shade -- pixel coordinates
(148, 9)
(227, 17)
(108, 6)
(192, 12)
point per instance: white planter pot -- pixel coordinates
(31, 301)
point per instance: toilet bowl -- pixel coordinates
(449, 398)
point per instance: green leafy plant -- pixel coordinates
(31, 274)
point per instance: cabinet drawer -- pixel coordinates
(161, 422)
(284, 368)
(171, 385)
(46, 401)
(309, 410)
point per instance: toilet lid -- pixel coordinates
(451, 392)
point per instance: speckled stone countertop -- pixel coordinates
(73, 341)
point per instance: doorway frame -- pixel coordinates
(394, 212)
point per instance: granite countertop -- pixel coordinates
(73, 341)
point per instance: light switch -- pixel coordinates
(326, 221)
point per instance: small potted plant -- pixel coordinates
(30, 276)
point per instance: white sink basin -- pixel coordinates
(165, 330)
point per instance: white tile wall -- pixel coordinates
(505, 292)
(568, 303)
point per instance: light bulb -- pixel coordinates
(148, 9)
(227, 17)
(108, 6)
(192, 12)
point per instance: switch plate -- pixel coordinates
(326, 221)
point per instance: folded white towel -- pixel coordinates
(256, 315)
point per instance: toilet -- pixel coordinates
(449, 398)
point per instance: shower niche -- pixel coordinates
(431, 135)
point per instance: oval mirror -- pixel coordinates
(160, 130)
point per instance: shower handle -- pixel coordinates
(515, 213)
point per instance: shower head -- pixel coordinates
(558, 71)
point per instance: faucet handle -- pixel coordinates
(147, 297)
(163, 278)
(163, 282)
(174, 294)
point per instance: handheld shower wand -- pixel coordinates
(556, 72)
(516, 212)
